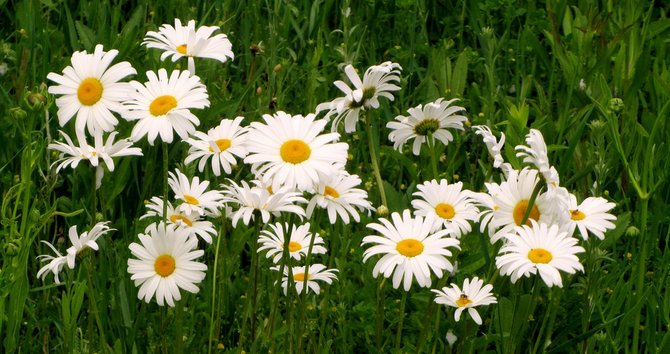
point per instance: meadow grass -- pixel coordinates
(593, 77)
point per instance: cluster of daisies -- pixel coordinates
(297, 165)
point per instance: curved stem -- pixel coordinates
(217, 250)
(398, 333)
(373, 159)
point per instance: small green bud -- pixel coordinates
(382, 210)
(632, 231)
(616, 105)
(17, 113)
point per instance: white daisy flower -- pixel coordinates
(165, 263)
(336, 194)
(316, 272)
(55, 265)
(222, 144)
(536, 154)
(84, 241)
(163, 104)
(591, 215)
(195, 197)
(472, 295)
(494, 147)
(188, 222)
(539, 248)
(378, 81)
(291, 150)
(410, 249)
(298, 246)
(512, 198)
(449, 203)
(487, 206)
(433, 119)
(187, 41)
(90, 88)
(250, 199)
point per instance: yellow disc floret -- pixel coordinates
(409, 247)
(162, 105)
(165, 265)
(89, 91)
(295, 151)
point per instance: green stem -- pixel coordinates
(428, 319)
(165, 182)
(211, 314)
(303, 295)
(373, 159)
(94, 303)
(433, 155)
(398, 333)
(531, 203)
(380, 316)
(641, 271)
(179, 333)
(254, 265)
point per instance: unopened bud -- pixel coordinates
(382, 210)
(632, 231)
(277, 68)
(616, 105)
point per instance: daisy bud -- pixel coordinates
(632, 231)
(616, 105)
(382, 210)
(277, 68)
(451, 338)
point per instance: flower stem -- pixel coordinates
(380, 316)
(398, 334)
(303, 295)
(165, 182)
(433, 155)
(373, 159)
(217, 250)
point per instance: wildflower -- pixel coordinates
(536, 154)
(55, 265)
(221, 143)
(410, 249)
(90, 88)
(299, 240)
(539, 248)
(449, 203)
(316, 272)
(180, 41)
(163, 104)
(494, 147)
(84, 241)
(195, 197)
(251, 199)
(424, 122)
(378, 81)
(336, 194)
(189, 222)
(290, 150)
(165, 264)
(472, 295)
(591, 215)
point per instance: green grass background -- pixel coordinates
(591, 75)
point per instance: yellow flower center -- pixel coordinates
(520, 211)
(330, 191)
(301, 277)
(295, 151)
(182, 49)
(294, 246)
(463, 301)
(445, 211)
(223, 145)
(577, 215)
(162, 104)
(539, 255)
(191, 200)
(409, 247)
(175, 218)
(89, 91)
(165, 265)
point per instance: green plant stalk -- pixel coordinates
(165, 182)
(303, 295)
(286, 259)
(179, 327)
(217, 250)
(379, 328)
(373, 159)
(254, 269)
(641, 271)
(94, 303)
(539, 336)
(428, 318)
(433, 156)
(398, 333)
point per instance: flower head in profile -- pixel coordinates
(222, 143)
(336, 194)
(378, 81)
(194, 195)
(186, 41)
(472, 295)
(494, 147)
(426, 122)
(86, 240)
(590, 216)
(90, 88)
(536, 154)
(291, 150)
(315, 274)
(253, 198)
(411, 250)
(55, 265)
(449, 203)
(162, 105)
(191, 222)
(542, 249)
(298, 244)
(164, 264)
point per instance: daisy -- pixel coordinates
(291, 150)
(591, 215)
(188, 222)
(378, 81)
(165, 263)
(298, 246)
(539, 248)
(449, 203)
(494, 147)
(86, 240)
(180, 41)
(424, 122)
(316, 272)
(222, 144)
(163, 104)
(336, 194)
(410, 249)
(472, 295)
(90, 88)
(536, 154)
(250, 199)
(512, 199)
(194, 195)
(71, 155)
(55, 265)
